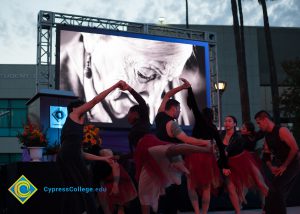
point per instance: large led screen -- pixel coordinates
(90, 60)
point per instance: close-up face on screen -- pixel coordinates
(89, 63)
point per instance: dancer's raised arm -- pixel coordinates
(77, 113)
(172, 92)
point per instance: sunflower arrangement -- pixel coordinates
(32, 136)
(91, 137)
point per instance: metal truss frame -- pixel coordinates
(47, 22)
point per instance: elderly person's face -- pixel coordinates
(146, 66)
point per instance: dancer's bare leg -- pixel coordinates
(193, 197)
(121, 209)
(233, 197)
(259, 179)
(173, 154)
(264, 189)
(102, 197)
(145, 209)
(185, 149)
(205, 199)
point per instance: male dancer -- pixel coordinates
(167, 129)
(285, 166)
(154, 170)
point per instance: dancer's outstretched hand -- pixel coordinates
(127, 87)
(278, 171)
(186, 83)
(109, 160)
(122, 84)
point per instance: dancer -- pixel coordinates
(70, 158)
(285, 166)
(154, 170)
(118, 186)
(167, 129)
(204, 173)
(244, 171)
(138, 118)
(120, 189)
(249, 139)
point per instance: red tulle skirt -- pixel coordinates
(127, 190)
(259, 164)
(245, 173)
(204, 170)
(143, 158)
(257, 160)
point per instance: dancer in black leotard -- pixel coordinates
(244, 171)
(70, 158)
(204, 172)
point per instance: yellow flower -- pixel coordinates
(91, 136)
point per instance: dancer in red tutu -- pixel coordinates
(167, 129)
(204, 171)
(119, 187)
(154, 170)
(250, 138)
(244, 170)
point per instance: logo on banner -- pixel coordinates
(22, 189)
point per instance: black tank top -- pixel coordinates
(278, 148)
(161, 121)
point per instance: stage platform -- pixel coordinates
(46, 174)
(290, 210)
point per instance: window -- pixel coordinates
(6, 158)
(13, 115)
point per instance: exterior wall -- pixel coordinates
(285, 47)
(227, 70)
(16, 82)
